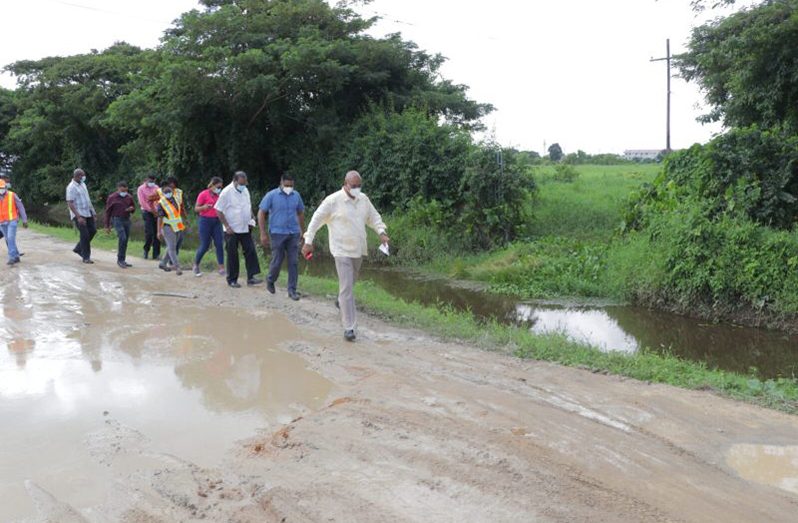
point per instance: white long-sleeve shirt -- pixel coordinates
(346, 219)
(236, 207)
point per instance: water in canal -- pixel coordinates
(766, 353)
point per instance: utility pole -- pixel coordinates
(667, 59)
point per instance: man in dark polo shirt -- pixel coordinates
(118, 209)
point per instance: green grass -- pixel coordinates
(588, 208)
(573, 236)
(779, 394)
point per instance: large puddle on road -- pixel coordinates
(81, 351)
(771, 465)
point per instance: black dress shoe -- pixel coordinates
(234, 284)
(254, 281)
(122, 264)
(349, 335)
(270, 287)
(76, 251)
(294, 296)
(337, 305)
(88, 261)
(127, 264)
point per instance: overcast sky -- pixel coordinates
(575, 72)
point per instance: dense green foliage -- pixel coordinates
(263, 85)
(746, 65)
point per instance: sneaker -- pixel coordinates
(122, 264)
(270, 287)
(349, 335)
(10, 262)
(294, 296)
(17, 260)
(222, 272)
(234, 284)
(254, 281)
(127, 265)
(197, 271)
(88, 261)
(164, 268)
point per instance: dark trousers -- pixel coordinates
(151, 234)
(210, 229)
(87, 232)
(122, 227)
(282, 245)
(250, 256)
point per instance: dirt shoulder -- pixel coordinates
(416, 429)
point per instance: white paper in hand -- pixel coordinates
(385, 249)
(252, 223)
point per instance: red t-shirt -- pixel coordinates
(207, 197)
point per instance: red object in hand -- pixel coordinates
(309, 256)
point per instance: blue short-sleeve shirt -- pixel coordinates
(282, 209)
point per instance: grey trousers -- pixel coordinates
(348, 269)
(172, 239)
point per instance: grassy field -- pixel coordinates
(569, 250)
(780, 394)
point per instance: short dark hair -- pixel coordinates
(121, 184)
(239, 174)
(215, 181)
(287, 177)
(171, 180)
(149, 177)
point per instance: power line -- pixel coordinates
(104, 11)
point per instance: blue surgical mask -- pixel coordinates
(3, 192)
(167, 194)
(217, 190)
(122, 194)
(240, 188)
(82, 179)
(150, 184)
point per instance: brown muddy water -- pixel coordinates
(610, 327)
(193, 379)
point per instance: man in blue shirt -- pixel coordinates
(286, 214)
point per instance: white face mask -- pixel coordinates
(240, 188)
(217, 190)
(123, 194)
(354, 191)
(150, 184)
(82, 179)
(167, 194)
(288, 190)
(3, 192)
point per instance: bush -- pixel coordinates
(748, 172)
(565, 173)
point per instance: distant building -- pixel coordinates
(639, 155)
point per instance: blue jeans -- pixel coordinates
(122, 226)
(210, 229)
(10, 232)
(283, 244)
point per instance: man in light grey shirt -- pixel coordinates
(82, 213)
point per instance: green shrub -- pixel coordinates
(565, 173)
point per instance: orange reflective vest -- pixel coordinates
(8, 208)
(173, 218)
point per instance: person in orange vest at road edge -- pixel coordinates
(11, 210)
(170, 226)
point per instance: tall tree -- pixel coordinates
(555, 152)
(747, 66)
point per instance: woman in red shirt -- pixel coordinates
(210, 228)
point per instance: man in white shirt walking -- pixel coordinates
(234, 209)
(346, 214)
(82, 213)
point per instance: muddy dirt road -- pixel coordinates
(118, 403)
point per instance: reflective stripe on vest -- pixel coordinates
(8, 211)
(173, 218)
(177, 194)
